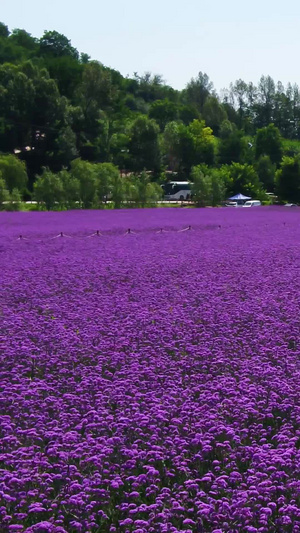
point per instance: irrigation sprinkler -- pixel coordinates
(185, 229)
(62, 234)
(96, 234)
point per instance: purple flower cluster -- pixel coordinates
(149, 382)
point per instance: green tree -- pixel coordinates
(141, 187)
(268, 141)
(85, 173)
(106, 176)
(57, 44)
(15, 200)
(24, 39)
(13, 172)
(48, 189)
(203, 142)
(154, 193)
(117, 190)
(266, 172)
(287, 180)
(201, 187)
(232, 145)
(17, 92)
(67, 72)
(198, 90)
(171, 145)
(84, 58)
(163, 111)
(96, 89)
(4, 31)
(188, 113)
(187, 146)
(4, 194)
(214, 114)
(66, 146)
(71, 189)
(129, 191)
(265, 102)
(218, 188)
(119, 150)
(144, 146)
(239, 91)
(208, 186)
(244, 179)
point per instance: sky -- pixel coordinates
(228, 39)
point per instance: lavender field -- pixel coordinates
(150, 382)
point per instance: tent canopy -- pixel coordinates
(240, 197)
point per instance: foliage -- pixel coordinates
(204, 146)
(288, 179)
(48, 189)
(163, 111)
(117, 190)
(201, 188)
(243, 178)
(266, 172)
(268, 142)
(13, 172)
(144, 147)
(213, 113)
(4, 193)
(198, 90)
(70, 193)
(208, 186)
(15, 200)
(232, 145)
(84, 173)
(57, 45)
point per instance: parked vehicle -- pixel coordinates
(252, 203)
(231, 204)
(290, 205)
(177, 190)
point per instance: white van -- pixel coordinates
(252, 203)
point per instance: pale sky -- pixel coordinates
(228, 39)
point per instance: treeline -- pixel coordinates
(85, 185)
(59, 109)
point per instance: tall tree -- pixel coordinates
(171, 145)
(70, 189)
(48, 189)
(288, 180)
(57, 45)
(198, 90)
(201, 188)
(244, 179)
(268, 141)
(163, 111)
(266, 172)
(24, 39)
(214, 114)
(85, 173)
(4, 194)
(106, 176)
(13, 172)
(239, 91)
(232, 145)
(266, 101)
(144, 147)
(203, 142)
(4, 31)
